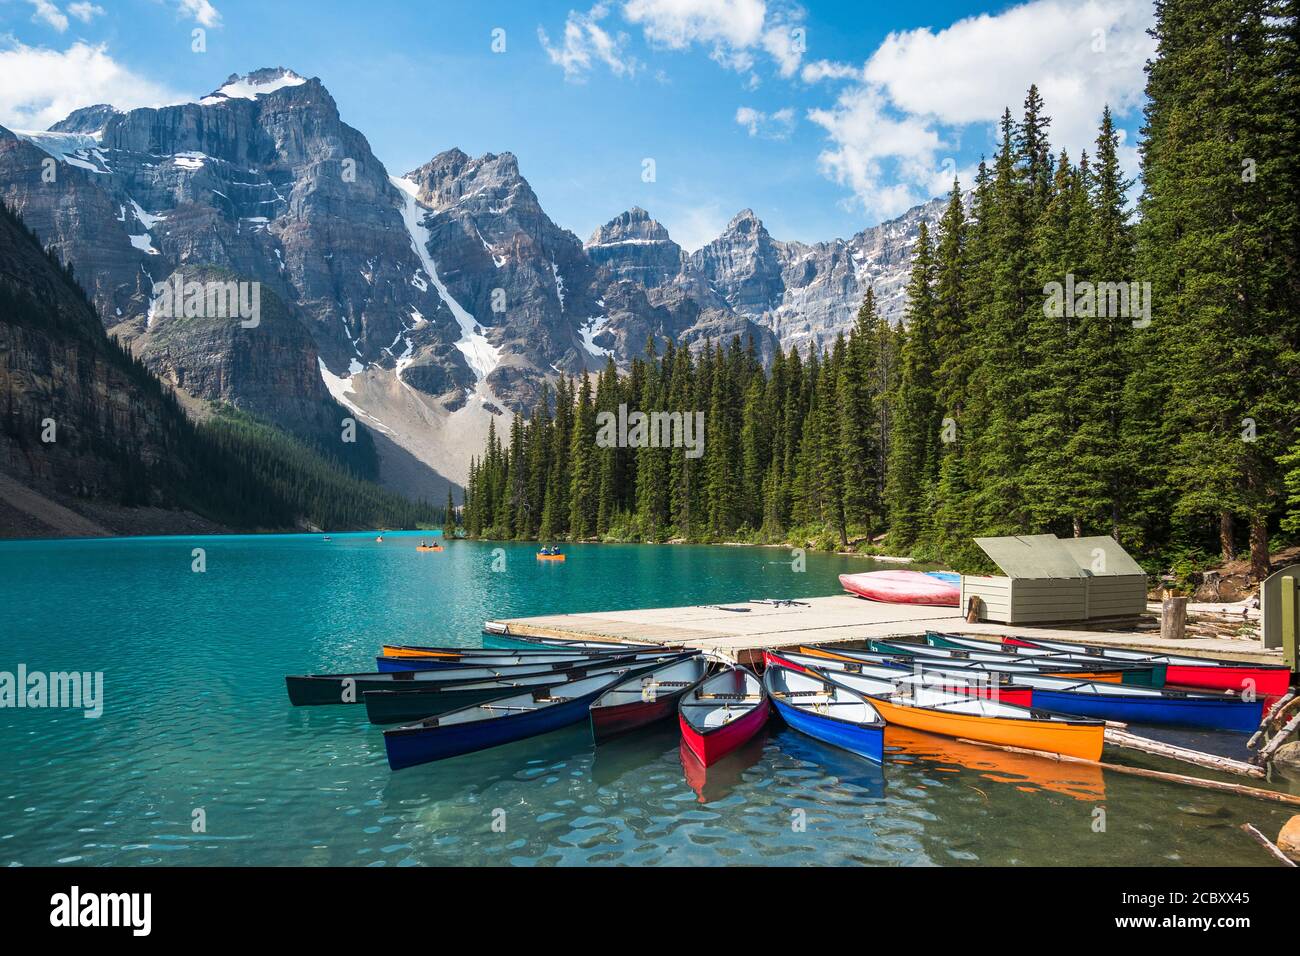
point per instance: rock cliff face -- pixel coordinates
(82, 424)
(427, 303)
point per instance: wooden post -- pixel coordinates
(974, 608)
(1173, 618)
(1288, 620)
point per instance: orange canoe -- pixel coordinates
(968, 718)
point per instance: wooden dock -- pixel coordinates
(742, 630)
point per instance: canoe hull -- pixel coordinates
(712, 746)
(409, 706)
(902, 587)
(1240, 716)
(607, 722)
(1072, 740)
(438, 743)
(1268, 682)
(866, 742)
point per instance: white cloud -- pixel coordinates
(880, 156)
(85, 12)
(921, 88)
(777, 125)
(586, 43)
(970, 71)
(39, 86)
(732, 30)
(203, 12)
(828, 70)
(695, 224)
(43, 11)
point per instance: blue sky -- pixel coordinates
(824, 117)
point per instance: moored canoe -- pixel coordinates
(969, 683)
(500, 721)
(1267, 680)
(347, 688)
(405, 704)
(646, 698)
(1127, 673)
(1144, 673)
(722, 713)
(828, 712)
(964, 717)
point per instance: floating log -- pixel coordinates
(1122, 738)
(1221, 786)
(1267, 844)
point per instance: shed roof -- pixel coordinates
(1112, 561)
(1031, 556)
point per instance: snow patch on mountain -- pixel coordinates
(481, 354)
(252, 86)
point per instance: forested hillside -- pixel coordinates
(1069, 363)
(86, 424)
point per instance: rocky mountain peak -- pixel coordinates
(631, 226)
(88, 119)
(252, 85)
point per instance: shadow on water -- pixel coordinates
(831, 767)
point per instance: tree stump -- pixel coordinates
(974, 609)
(1173, 618)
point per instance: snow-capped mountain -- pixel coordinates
(431, 301)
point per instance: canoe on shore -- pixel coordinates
(1136, 672)
(722, 713)
(1184, 670)
(646, 698)
(902, 587)
(826, 711)
(405, 704)
(500, 721)
(969, 718)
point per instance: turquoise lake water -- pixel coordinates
(196, 719)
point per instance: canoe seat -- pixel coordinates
(731, 697)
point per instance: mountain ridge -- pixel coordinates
(436, 300)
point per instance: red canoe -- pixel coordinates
(646, 697)
(722, 713)
(902, 587)
(1206, 673)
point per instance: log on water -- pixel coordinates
(1267, 844)
(1121, 738)
(1237, 788)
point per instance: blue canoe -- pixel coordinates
(503, 720)
(1205, 710)
(826, 711)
